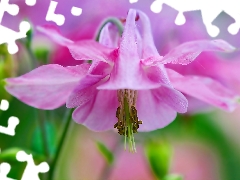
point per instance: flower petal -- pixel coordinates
(127, 72)
(158, 74)
(54, 34)
(91, 50)
(86, 88)
(48, 86)
(166, 93)
(81, 50)
(205, 89)
(187, 52)
(173, 98)
(154, 113)
(109, 36)
(149, 48)
(99, 114)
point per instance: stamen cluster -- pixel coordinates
(126, 114)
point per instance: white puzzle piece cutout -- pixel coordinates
(4, 170)
(12, 124)
(76, 11)
(30, 2)
(209, 9)
(12, 121)
(133, 1)
(4, 105)
(31, 171)
(59, 19)
(7, 35)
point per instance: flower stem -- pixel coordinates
(60, 145)
(115, 21)
(42, 125)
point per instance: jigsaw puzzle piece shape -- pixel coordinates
(12, 9)
(76, 11)
(209, 13)
(30, 2)
(156, 6)
(31, 171)
(12, 124)
(4, 170)
(4, 105)
(59, 19)
(231, 7)
(9, 36)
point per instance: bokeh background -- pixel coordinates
(203, 144)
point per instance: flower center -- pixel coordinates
(128, 122)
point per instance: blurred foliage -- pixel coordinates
(7, 69)
(107, 154)
(42, 54)
(37, 139)
(202, 128)
(173, 177)
(159, 156)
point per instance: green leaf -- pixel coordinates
(10, 155)
(107, 154)
(173, 177)
(37, 138)
(159, 156)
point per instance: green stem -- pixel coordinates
(41, 121)
(32, 56)
(60, 146)
(115, 21)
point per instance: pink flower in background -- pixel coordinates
(127, 80)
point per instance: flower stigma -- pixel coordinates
(126, 114)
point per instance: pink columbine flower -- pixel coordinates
(127, 85)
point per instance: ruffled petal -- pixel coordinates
(187, 52)
(154, 113)
(81, 50)
(158, 74)
(91, 50)
(48, 86)
(54, 34)
(166, 93)
(127, 72)
(149, 48)
(99, 114)
(205, 89)
(109, 36)
(173, 98)
(86, 88)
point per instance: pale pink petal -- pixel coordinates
(55, 35)
(173, 98)
(48, 86)
(149, 48)
(205, 89)
(86, 88)
(154, 113)
(158, 74)
(127, 72)
(187, 52)
(91, 50)
(98, 114)
(109, 36)
(81, 50)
